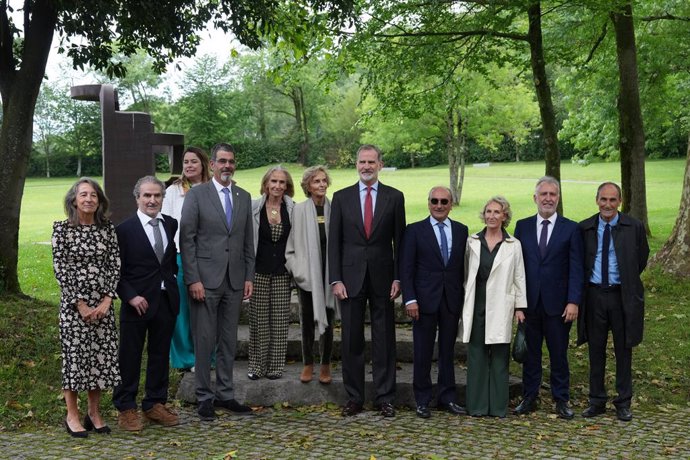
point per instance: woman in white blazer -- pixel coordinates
(494, 294)
(307, 259)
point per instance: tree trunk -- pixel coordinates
(630, 126)
(79, 163)
(453, 159)
(455, 147)
(262, 119)
(19, 89)
(552, 155)
(674, 256)
(301, 124)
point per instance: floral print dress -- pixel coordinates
(86, 260)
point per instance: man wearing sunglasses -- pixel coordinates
(432, 273)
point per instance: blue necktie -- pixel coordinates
(444, 242)
(606, 242)
(228, 208)
(543, 237)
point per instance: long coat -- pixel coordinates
(632, 250)
(505, 290)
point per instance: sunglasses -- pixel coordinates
(435, 201)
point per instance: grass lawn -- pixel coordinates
(29, 348)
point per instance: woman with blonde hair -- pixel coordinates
(307, 261)
(494, 293)
(269, 305)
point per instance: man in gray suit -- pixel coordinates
(217, 246)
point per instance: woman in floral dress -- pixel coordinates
(86, 260)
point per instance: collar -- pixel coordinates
(551, 219)
(612, 223)
(363, 186)
(220, 186)
(144, 219)
(433, 221)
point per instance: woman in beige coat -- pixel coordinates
(494, 293)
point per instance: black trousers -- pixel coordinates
(133, 335)
(382, 343)
(604, 312)
(306, 317)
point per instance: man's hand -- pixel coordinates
(570, 313)
(395, 289)
(196, 290)
(140, 304)
(248, 290)
(520, 316)
(412, 310)
(339, 291)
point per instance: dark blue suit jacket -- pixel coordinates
(422, 273)
(141, 273)
(558, 278)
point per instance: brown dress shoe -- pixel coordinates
(307, 373)
(162, 415)
(325, 374)
(130, 420)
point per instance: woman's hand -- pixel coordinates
(101, 311)
(85, 311)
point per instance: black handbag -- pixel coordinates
(520, 344)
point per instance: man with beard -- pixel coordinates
(217, 245)
(367, 225)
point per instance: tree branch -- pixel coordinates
(467, 33)
(663, 17)
(604, 30)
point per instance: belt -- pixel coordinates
(609, 288)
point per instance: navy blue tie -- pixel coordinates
(444, 242)
(606, 242)
(543, 237)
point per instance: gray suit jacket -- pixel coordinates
(209, 249)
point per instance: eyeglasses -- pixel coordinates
(225, 161)
(435, 201)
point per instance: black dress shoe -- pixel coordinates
(624, 414)
(89, 426)
(76, 434)
(387, 409)
(274, 376)
(233, 406)
(563, 410)
(351, 408)
(423, 411)
(593, 410)
(253, 376)
(453, 408)
(205, 411)
(526, 406)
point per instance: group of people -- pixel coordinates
(185, 261)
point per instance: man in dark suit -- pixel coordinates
(366, 229)
(217, 246)
(616, 252)
(432, 263)
(150, 303)
(552, 251)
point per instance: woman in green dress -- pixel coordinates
(494, 294)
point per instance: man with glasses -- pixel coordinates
(432, 262)
(217, 245)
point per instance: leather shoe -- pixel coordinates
(205, 411)
(233, 406)
(253, 376)
(351, 408)
(453, 408)
(593, 410)
(89, 426)
(423, 411)
(526, 406)
(76, 434)
(387, 409)
(624, 414)
(563, 410)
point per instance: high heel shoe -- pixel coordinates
(89, 426)
(76, 434)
